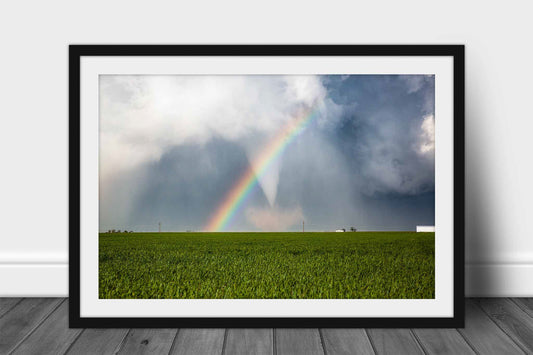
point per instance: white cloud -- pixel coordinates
(143, 116)
(398, 159)
(344, 77)
(415, 82)
(427, 135)
(274, 218)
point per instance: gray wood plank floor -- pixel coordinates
(40, 326)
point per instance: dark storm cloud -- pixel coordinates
(181, 189)
(380, 131)
(367, 161)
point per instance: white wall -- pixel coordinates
(33, 110)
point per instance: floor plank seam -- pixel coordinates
(74, 341)
(419, 342)
(274, 342)
(322, 342)
(174, 341)
(272, 335)
(370, 341)
(522, 307)
(10, 308)
(37, 325)
(121, 344)
(225, 341)
(523, 314)
(503, 330)
(468, 342)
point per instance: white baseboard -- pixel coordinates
(499, 280)
(51, 279)
(34, 280)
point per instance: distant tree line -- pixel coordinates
(118, 231)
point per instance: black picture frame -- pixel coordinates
(76, 52)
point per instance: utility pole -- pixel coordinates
(303, 226)
(159, 227)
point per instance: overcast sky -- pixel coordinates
(171, 147)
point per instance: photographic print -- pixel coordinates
(266, 186)
(255, 190)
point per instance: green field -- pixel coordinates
(267, 265)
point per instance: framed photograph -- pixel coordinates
(266, 186)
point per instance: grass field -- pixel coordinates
(267, 265)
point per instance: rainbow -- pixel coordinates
(250, 178)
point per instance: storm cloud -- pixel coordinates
(171, 147)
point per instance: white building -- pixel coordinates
(340, 230)
(425, 228)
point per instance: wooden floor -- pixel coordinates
(40, 326)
